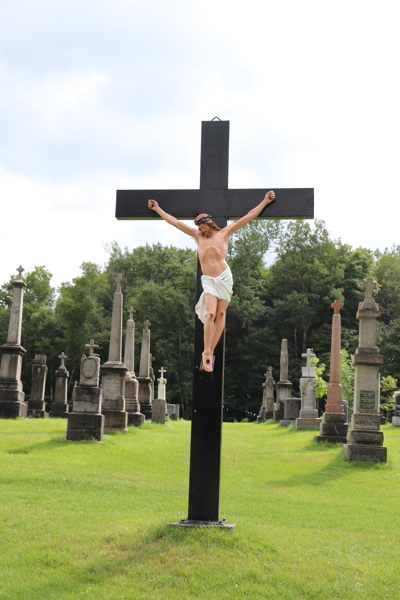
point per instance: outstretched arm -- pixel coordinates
(153, 205)
(268, 198)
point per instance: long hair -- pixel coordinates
(210, 223)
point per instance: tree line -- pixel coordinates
(291, 298)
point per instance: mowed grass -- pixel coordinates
(82, 521)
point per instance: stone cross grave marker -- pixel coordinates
(131, 311)
(337, 305)
(20, 271)
(119, 280)
(309, 355)
(62, 357)
(91, 345)
(369, 286)
(215, 198)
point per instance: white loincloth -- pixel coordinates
(220, 287)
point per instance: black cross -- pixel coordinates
(216, 199)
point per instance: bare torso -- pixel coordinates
(213, 252)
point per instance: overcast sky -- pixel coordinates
(106, 95)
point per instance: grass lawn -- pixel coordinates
(89, 521)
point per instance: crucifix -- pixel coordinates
(215, 198)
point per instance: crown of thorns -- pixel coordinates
(203, 220)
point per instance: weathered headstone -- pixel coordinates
(223, 203)
(144, 379)
(308, 418)
(334, 426)
(291, 411)
(267, 407)
(171, 411)
(36, 403)
(86, 422)
(396, 418)
(159, 409)
(365, 440)
(60, 407)
(132, 405)
(12, 397)
(284, 386)
(175, 415)
(113, 371)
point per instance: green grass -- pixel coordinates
(80, 520)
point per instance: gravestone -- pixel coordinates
(284, 386)
(365, 440)
(396, 418)
(162, 393)
(113, 371)
(60, 407)
(334, 427)
(267, 407)
(308, 418)
(291, 411)
(86, 422)
(175, 415)
(36, 403)
(12, 397)
(132, 405)
(171, 411)
(144, 379)
(159, 410)
(213, 197)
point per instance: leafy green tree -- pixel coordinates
(83, 310)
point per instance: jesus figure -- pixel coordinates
(212, 247)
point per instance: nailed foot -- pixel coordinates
(207, 362)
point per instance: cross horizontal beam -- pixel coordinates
(292, 203)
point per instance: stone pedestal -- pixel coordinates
(60, 408)
(113, 386)
(36, 403)
(144, 379)
(12, 397)
(365, 441)
(334, 427)
(291, 410)
(159, 410)
(86, 422)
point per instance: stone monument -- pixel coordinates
(12, 398)
(132, 405)
(365, 440)
(160, 412)
(334, 426)
(291, 411)
(86, 422)
(396, 418)
(284, 386)
(36, 403)
(60, 407)
(113, 371)
(144, 379)
(308, 418)
(267, 407)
